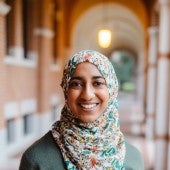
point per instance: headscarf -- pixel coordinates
(97, 145)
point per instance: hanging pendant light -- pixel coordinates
(104, 38)
(104, 34)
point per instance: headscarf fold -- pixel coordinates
(97, 145)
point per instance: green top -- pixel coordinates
(44, 154)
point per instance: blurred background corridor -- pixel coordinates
(38, 36)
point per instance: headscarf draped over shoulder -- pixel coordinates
(98, 145)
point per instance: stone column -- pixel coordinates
(163, 84)
(169, 142)
(4, 9)
(151, 82)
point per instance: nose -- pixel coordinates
(88, 92)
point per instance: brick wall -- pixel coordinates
(18, 82)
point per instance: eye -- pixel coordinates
(75, 84)
(99, 83)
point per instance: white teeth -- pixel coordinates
(88, 106)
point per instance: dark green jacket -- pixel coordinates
(45, 155)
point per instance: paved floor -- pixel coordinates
(132, 120)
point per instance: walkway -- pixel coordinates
(132, 124)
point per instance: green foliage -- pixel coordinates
(124, 67)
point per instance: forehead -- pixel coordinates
(86, 69)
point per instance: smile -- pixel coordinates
(88, 106)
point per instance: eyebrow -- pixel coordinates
(80, 78)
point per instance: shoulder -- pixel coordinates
(133, 158)
(42, 146)
(42, 153)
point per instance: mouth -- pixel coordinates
(88, 106)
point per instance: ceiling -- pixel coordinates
(127, 30)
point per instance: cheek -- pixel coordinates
(104, 95)
(72, 95)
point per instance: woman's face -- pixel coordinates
(87, 95)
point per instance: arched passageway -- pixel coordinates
(128, 33)
(35, 45)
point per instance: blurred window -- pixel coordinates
(30, 21)
(55, 29)
(28, 123)
(54, 112)
(11, 130)
(26, 26)
(10, 22)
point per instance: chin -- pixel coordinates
(88, 119)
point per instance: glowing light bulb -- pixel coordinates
(104, 38)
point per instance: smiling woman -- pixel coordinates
(88, 135)
(87, 93)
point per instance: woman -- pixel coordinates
(87, 136)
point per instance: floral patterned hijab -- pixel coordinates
(91, 146)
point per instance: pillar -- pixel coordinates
(169, 143)
(163, 84)
(4, 9)
(151, 82)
